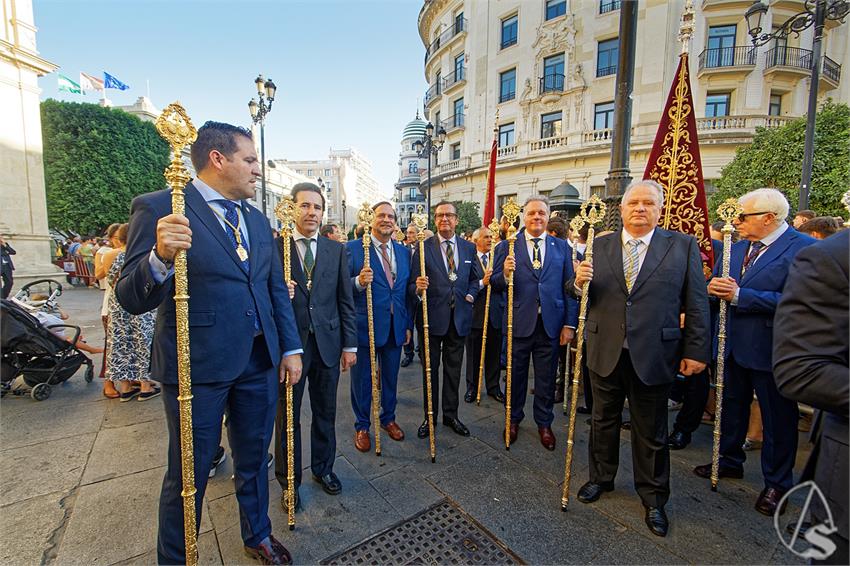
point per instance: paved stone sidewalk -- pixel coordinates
(81, 476)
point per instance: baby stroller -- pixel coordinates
(41, 294)
(34, 351)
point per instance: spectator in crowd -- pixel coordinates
(75, 244)
(100, 272)
(802, 217)
(6, 251)
(48, 319)
(557, 227)
(820, 228)
(129, 336)
(331, 231)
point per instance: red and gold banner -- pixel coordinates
(675, 164)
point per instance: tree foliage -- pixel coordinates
(95, 161)
(468, 219)
(775, 158)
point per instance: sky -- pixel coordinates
(349, 73)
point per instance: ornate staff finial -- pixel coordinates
(592, 211)
(686, 27)
(510, 211)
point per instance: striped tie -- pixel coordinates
(630, 263)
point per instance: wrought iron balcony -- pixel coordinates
(432, 93)
(454, 29)
(606, 6)
(551, 83)
(831, 70)
(453, 122)
(788, 57)
(727, 57)
(455, 77)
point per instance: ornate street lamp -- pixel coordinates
(343, 215)
(265, 92)
(815, 13)
(426, 147)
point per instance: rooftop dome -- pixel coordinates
(415, 128)
(564, 190)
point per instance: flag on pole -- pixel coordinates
(675, 164)
(68, 85)
(111, 82)
(89, 82)
(490, 200)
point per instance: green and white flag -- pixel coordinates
(68, 85)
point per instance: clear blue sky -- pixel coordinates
(348, 72)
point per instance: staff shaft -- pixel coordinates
(427, 356)
(290, 411)
(484, 332)
(370, 316)
(721, 365)
(510, 350)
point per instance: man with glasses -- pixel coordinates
(758, 270)
(451, 279)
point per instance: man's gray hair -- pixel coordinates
(537, 198)
(475, 234)
(645, 183)
(768, 200)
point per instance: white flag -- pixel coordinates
(88, 82)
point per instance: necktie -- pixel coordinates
(450, 257)
(535, 261)
(309, 258)
(630, 263)
(232, 219)
(484, 260)
(385, 261)
(755, 250)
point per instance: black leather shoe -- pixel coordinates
(423, 431)
(656, 520)
(590, 492)
(470, 396)
(768, 501)
(678, 440)
(498, 397)
(285, 503)
(704, 471)
(406, 362)
(330, 483)
(456, 426)
(269, 551)
(582, 410)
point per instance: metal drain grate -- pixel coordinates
(442, 534)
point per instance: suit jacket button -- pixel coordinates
(249, 313)
(622, 326)
(628, 303)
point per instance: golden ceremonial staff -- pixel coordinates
(592, 213)
(510, 211)
(493, 228)
(420, 220)
(285, 212)
(365, 215)
(398, 235)
(576, 224)
(175, 126)
(727, 212)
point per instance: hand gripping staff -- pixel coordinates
(175, 126)
(285, 212)
(727, 212)
(510, 211)
(592, 213)
(365, 216)
(576, 224)
(420, 220)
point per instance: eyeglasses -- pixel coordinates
(743, 216)
(445, 215)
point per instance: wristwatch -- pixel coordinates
(167, 262)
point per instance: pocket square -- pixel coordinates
(467, 261)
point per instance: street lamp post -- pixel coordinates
(265, 92)
(823, 10)
(343, 215)
(426, 147)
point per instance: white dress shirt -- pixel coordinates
(643, 247)
(767, 241)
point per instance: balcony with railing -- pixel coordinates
(606, 6)
(738, 124)
(791, 57)
(552, 82)
(831, 71)
(453, 166)
(455, 122)
(433, 93)
(458, 77)
(458, 27)
(727, 59)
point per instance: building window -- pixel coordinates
(458, 22)
(603, 116)
(597, 190)
(550, 125)
(555, 8)
(413, 167)
(775, 108)
(437, 120)
(606, 6)
(455, 151)
(717, 105)
(501, 200)
(553, 74)
(309, 172)
(412, 195)
(507, 85)
(459, 68)
(606, 57)
(457, 119)
(721, 46)
(438, 82)
(327, 172)
(509, 31)
(506, 135)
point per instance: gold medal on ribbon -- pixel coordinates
(536, 264)
(242, 252)
(452, 276)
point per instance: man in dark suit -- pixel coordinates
(6, 266)
(810, 364)
(758, 269)
(410, 244)
(451, 278)
(492, 355)
(544, 315)
(388, 276)
(241, 329)
(324, 309)
(643, 277)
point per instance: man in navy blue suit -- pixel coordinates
(758, 269)
(241, 329)
(451, 279)
(388, 277)
(544, 315)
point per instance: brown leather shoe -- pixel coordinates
(362, 441)
(394, 431)
(768, 501)
(514, 430)
(704, 471)
(547, 438)
(269, 551)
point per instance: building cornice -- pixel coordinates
(25, 59)
(431, 9)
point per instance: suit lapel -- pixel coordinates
(658, 246)
(615, 257)
(437, 257)
(253, 227)
(297, 272)
(521, 253)
(774, 250)
(199, 206)
(551, 250)
(377, 265)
